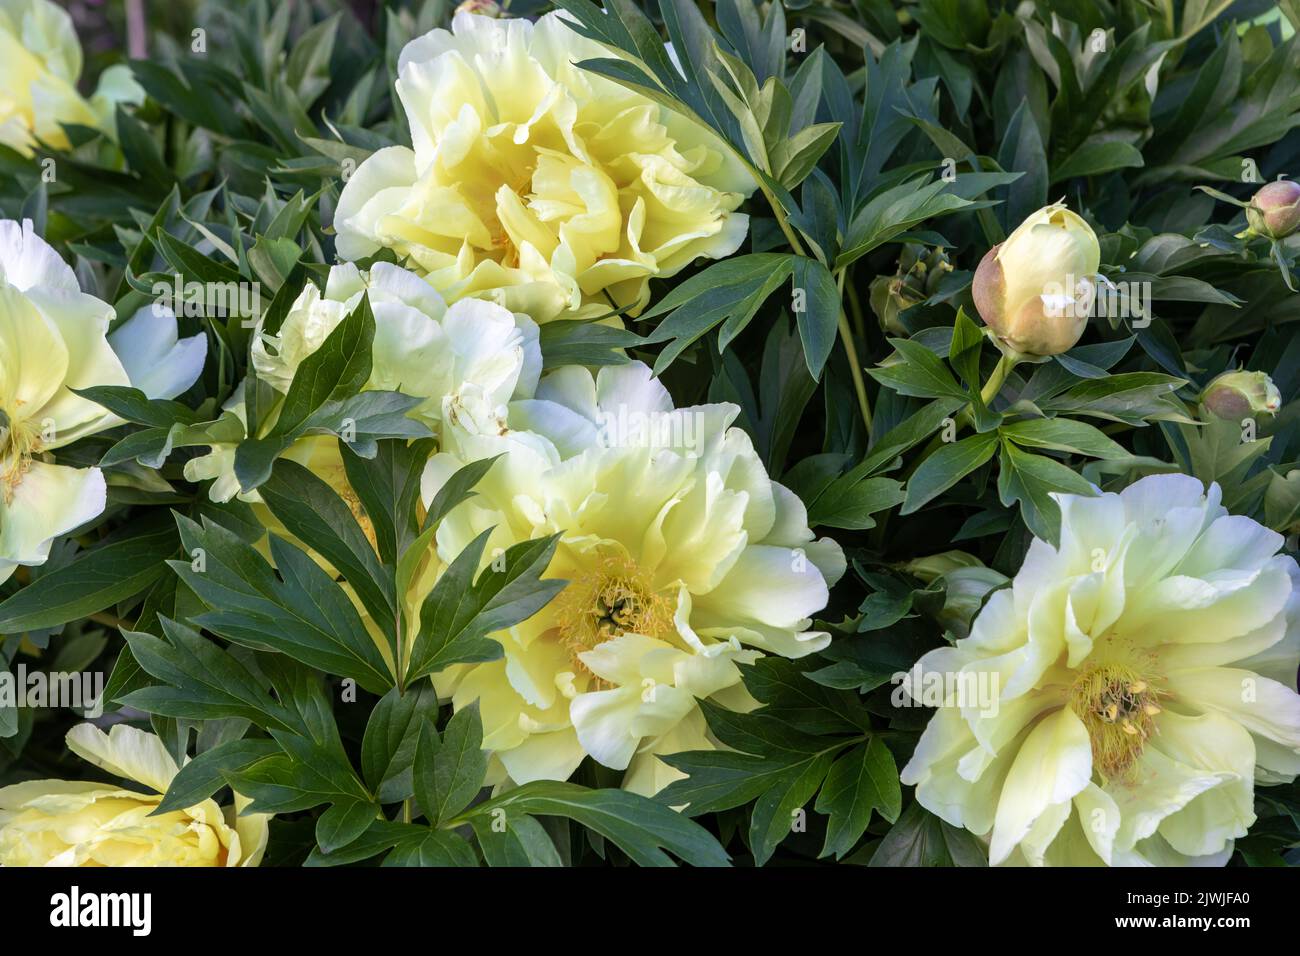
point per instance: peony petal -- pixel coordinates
(29, 262)
(125, 752)
(1170, 774)
(33, 357)
(155, 360)
(1053, 765)
(549, 756)
(1170, 511)
(1099, 819)
(1206, 610)
(1262, 706)
(568, 430)
(376, 189)
(630, 389)
(1208, 822)
(603, 722)
(647, 774)
(766, 585)
(1233, 541)
(48, 502)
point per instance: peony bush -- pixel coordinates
(665, 431)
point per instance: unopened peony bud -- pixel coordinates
(1275, 210)
(1235, 395)
(1035, 290)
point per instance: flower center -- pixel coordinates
(613, 597)
(513, 166)
(19, 441)
(1118, 707)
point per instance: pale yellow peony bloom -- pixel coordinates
(1141, 681)
(53, 339)
(533, 182)
(40, 63)
(421, 347)
(1036, 289)
(473, 355)
(82, 823)
(683, 559)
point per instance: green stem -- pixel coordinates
(855, 309)
(997, 379)
(855, 366)
(987, 394)
(990, 389)
(779, 212)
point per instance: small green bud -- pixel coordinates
(935, 566)
(918, 277)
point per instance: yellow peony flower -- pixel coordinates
(1143, 680)
(40, 63)
(1036, 289)
(548, 188)
(82, 823)
(421, 347)
(53, 339)
(683, 558)
(472, 356)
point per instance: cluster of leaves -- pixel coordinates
(872, 127)
(288, 630)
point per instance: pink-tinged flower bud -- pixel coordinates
(1275, 210)
(1035, 290)
(1237, 395)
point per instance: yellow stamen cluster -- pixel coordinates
(1118, 707)
(614, 597)
(19, 442)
